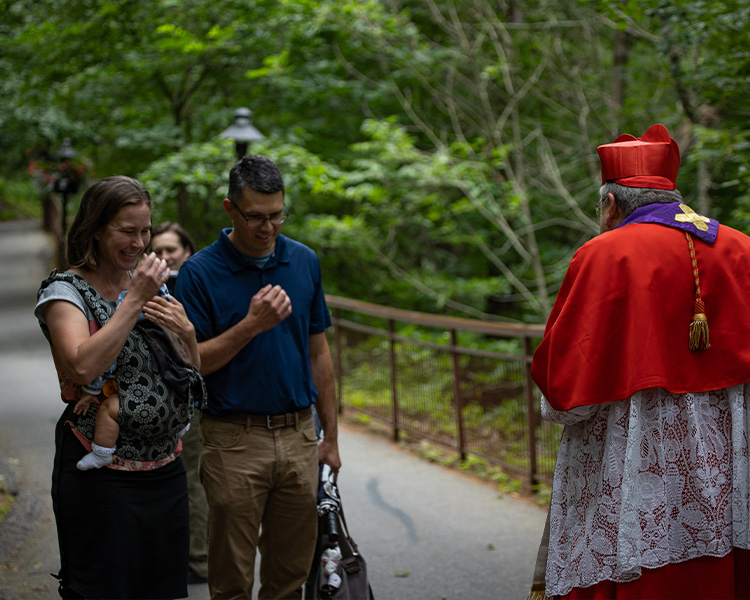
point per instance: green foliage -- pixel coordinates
(420, 210)
(477, 466)
(439, 155)
(189, 186)
(543, 493)
(140, 77)
(19, 199)
(706, 44)
(491, 388)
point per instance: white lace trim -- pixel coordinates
(655, 479)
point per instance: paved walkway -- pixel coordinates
(426, 532)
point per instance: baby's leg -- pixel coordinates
(105, 436)
(107, 429)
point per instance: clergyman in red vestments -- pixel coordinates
(646, 361)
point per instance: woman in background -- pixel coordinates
(172, 243)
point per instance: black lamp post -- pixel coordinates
(64, 185)
(242, 131)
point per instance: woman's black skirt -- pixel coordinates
(122, 534)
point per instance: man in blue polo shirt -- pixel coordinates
(256, 300)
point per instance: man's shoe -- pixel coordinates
(193, 577)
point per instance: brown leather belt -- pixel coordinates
(292, 419)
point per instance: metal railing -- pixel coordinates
(462, 383)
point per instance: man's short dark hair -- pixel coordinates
(257, 173)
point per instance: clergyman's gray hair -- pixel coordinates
(630, 198)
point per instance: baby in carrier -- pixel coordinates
(106, 430)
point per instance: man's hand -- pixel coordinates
(328, 452)
(269, 307)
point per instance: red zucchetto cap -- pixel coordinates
(651, 161)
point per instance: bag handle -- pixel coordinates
(350, 557)
(345, 529)
(350, 563)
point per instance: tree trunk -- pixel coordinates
(619, 75)
(183, 208)
(704, 185)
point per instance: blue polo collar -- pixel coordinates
(238, 261)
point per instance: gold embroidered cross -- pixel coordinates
(693, 217)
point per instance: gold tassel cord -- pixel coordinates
(698, 339)
(699, 328)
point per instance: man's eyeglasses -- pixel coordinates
(259, 220)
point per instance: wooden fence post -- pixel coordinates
(394, 390)
(339, 360)
(457, 396)
(530, 409)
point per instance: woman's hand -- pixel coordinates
(170, 313)
(148, 278)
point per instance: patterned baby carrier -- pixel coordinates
(158, 385)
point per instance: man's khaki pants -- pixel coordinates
(257, 478)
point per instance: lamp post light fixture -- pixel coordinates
(242, 131)
(66, 150)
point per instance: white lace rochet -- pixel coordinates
(654, 479)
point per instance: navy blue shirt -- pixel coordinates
(271, 374)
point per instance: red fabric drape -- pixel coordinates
(621, 320)
(704, 578)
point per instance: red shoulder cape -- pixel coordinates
(621, 319)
